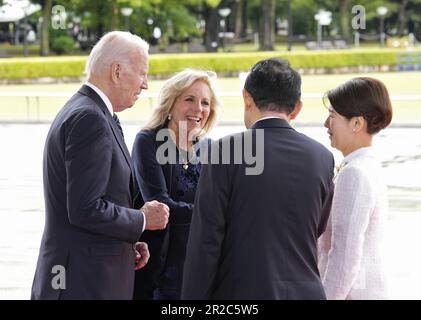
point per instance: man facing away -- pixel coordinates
(89, 248)
(254, 235)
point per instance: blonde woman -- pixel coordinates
(187, 110)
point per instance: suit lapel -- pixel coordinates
(87, 91)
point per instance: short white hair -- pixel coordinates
(114, 46)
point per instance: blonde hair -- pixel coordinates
(114, 46)
(174, 87)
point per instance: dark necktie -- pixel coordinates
(117, 121)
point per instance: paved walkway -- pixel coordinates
(22, 207)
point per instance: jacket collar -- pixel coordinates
(271, 123)
(102, 95)
(89, 92)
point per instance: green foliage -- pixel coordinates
(166, 64)
(236, 62)
(42, 67)
(63, 45)
(179, 19)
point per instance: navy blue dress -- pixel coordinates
(174, 185)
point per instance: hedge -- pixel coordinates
(164, 64)
(20, 68)
(235, 62)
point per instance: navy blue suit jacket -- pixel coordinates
(90, 227)
(255, 236)
(156, 182)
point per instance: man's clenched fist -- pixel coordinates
(156, 215)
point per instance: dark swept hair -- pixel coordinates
(365, 97)
(274, 85)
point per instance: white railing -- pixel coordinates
(151, 96)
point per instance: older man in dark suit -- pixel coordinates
(89, 248)
(255, 225)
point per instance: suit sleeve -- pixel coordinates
(151, 179)
(207, 232)
(328, 197)
(88, 157)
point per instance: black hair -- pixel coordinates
(274, 85)
(365, 97)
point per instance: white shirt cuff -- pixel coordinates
(144, 221)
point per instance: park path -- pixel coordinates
(22, 207)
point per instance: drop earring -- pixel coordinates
(169, 117)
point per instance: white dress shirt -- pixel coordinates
(350, 250)
(102, 95)
(107, 102)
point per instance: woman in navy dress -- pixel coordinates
(166, 157)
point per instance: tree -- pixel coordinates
(267, 25)
(344, 19)
(210, 15)
(402, 17)
(240, 19)
(45, 27)
(114, 14)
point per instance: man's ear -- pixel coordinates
(248, 100)
(296, 111)
(115, 72)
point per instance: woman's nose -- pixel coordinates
(198, 106)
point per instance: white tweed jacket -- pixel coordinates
(350, 250)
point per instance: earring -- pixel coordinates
(169, 117)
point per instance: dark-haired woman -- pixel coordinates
(350, 259)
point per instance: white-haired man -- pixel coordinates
(89, 248)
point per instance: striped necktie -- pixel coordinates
(117, 121)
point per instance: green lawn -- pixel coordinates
(408, 83)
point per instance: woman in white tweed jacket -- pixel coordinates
(350, 261)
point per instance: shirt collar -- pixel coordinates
(367, 152)
(264, 118)
(361, 152)
(103, 96)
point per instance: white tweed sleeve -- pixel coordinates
(352, 205)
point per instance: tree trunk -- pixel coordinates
(290, 29)
(211, 28)
(402, 18)
(238, 16)
(103, 9)
(114, 15)
(45, 28)
(344, 19)
(245, 19)
(267, 26)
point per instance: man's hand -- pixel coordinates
(142, 255)
(156, 215)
